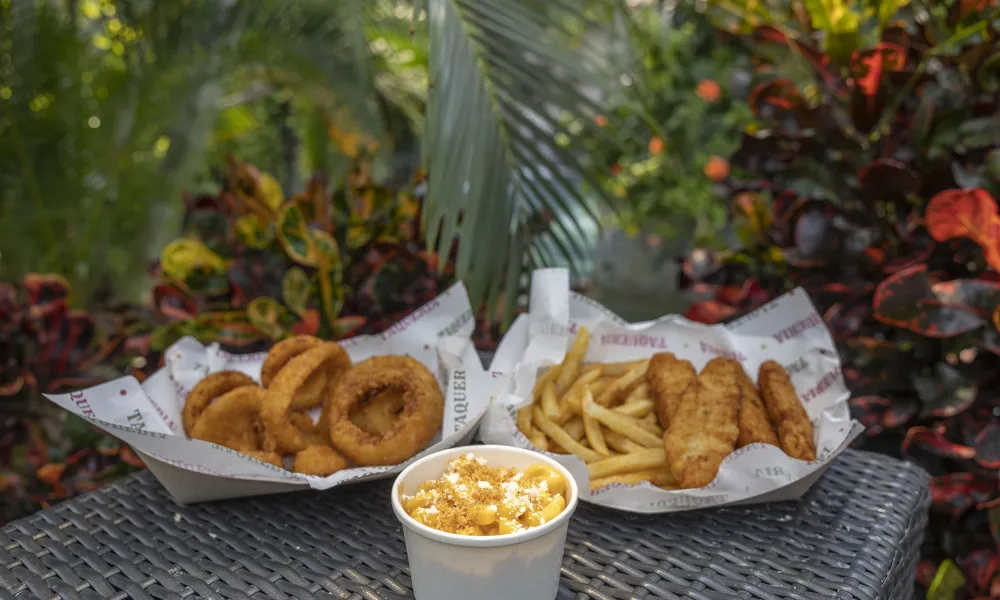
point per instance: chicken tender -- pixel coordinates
(705, 427)
(668, 377)
(789, 416)
(755, 426)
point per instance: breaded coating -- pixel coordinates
(318, 460)
(668, 377)
(269, 457)
(310, 431)
(789, 416)
(232, 420)
(208, 389)
(755, 426)
(704, 429)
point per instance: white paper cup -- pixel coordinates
(448, 566)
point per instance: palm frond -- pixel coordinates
(508, 104)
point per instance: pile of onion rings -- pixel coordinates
(381, 411)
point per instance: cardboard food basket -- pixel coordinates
(147, 416)
(787, 330)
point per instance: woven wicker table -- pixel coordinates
(855, 535)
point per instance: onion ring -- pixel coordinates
(232, 420)
(279, 433)
(209, 388)
(416, 425)
(310, 393)
(310, 431)
(377, 414)
(318, 460)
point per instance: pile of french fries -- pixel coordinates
(601, 412)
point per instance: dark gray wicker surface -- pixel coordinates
(855, 535)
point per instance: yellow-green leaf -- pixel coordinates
(266, 314)
(181, 258)
(310, 247)
(295, 290)
(254, 231)
(293, 232)
(269, 191)
(331, 292)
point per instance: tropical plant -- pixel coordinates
(156, 77)
(672, 141)
(46, 453)
(254, 267)
(869, 178)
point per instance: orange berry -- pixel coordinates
(717, 168)
(600, 120)
(656, 145)
(709, 91)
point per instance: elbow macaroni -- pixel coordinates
(473, 499)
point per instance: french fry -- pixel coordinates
(620, 443)
(524, 420)
(653, 423)
(658, 477)
(550, 402)
(593, 430)
(571, 363)
(622, 367)
(633, 429)
(556, 449)
(538, 440)
(571, 399)
(541, 382)
(639, 394)
(638, 409)
(574, 427)
(627, 463)
(610, 393)
(559, 436)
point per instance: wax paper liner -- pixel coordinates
(787, 330)
(147, 416)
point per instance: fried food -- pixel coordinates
(310, 431)
(280, 434)
(208, 389)
(704, 429)
(272, 458)
(320, 461)
(794, 428)
(377, 414)
(668, 377)
(310, 393)
(415, 426)
(232, 420)
(755, 426)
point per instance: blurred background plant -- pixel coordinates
(109, 110)
(46, 453)
(869, 178)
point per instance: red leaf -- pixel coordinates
(987, 446)
(709, 312)
(779, 93)
(907, 300)
(868, 66)
(960, 491)
(50, 473)
(961, 213)
(934, 442)
(974, 295)
(308, 324)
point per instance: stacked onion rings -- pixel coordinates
(379, 412)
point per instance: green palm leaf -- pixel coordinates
(502, 85)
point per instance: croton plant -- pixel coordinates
(254, 266)
(870, 178)
(47, 454)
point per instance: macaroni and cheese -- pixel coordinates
(475, 499)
